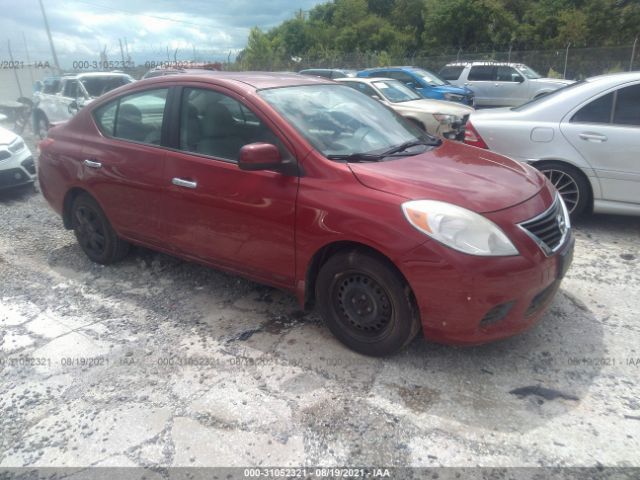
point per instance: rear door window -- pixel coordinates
(627, 110)
(597, 111)
(137, 117)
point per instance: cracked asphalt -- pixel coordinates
(158, 362)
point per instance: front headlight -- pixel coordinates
(444, 119)
(458, 228)
(453, 97)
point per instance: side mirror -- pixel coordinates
(376, 97)
(38, 86)
(411, 85)
(260, 156)
(518, 78)
(73, 107)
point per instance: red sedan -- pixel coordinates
(311, 186)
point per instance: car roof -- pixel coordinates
(484, 62)
(620, 77)
(256, 80)
(396, 67)
(94, 74)
(366, 79)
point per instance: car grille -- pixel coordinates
(548, 229)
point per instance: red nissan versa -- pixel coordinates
(311, 186)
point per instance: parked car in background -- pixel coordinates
(329, 72)
(426, 83)
(585, 138)
(437, 117)
(174, 68)
(59, 98)
(16, 162)
(305, 184)
(500, 84)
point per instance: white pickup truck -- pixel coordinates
(57, 99)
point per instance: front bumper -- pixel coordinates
(18, 169)
(485, 299)
(468, 300)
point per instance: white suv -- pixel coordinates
(57, 99)
(500, 84)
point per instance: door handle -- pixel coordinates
(593, 137)
(181, 182)
(92, 164)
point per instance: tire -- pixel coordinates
(42, 126)
(366, 303)
(94, 233)
(571, 183)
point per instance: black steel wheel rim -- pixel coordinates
(361, 305)
(566, 186)
(90, 231)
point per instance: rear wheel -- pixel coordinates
(570, 183)
(94, 233)
(366, 303)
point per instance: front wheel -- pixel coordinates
(571, 185)
(94, 233)
(366, 303)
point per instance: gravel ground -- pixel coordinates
(159, 362)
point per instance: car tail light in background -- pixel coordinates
(472, 137)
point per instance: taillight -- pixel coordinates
(472, 137)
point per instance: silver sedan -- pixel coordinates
(585, 138)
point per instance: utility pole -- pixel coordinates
(26, 49)
(46, 26)
(15, 70)
(633, 53)
(566, 58)
(126, 49)
(121, 51)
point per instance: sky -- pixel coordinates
(216, 29)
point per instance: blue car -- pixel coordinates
(428, 84)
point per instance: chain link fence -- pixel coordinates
(573, 63)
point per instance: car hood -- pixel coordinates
(433, 106)
(452, 89)
(6, 136)
(476, 179)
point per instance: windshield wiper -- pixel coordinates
(411, 143)
(357, 157)
(397, 151)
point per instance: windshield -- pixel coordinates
(546, 97)
(529, 72)
(429, 77)
(395, 91)
(339, 121)
(97, 86)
